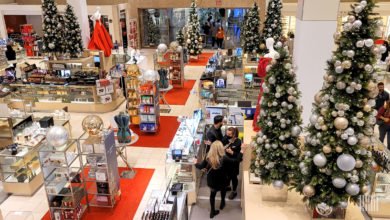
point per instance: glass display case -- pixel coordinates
(380, 197)
(20, 171)
(76, 97)
(63, 180)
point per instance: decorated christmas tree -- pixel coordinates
(273, 21)
(74, 43)
(338, 145)
(152, 31)
(252, 31)
(180, 37)
(53, 38)
(277, 144)
(194, 40)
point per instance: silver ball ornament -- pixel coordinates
(346, 162)
(278, 184)
(319, 160)
(352, 189)
(339, 182)
(57, 136)
(352, 140)
(308, 191)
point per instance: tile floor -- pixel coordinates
(139, 157)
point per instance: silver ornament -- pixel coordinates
(339, 182)
(347, 26)
(352, 189)
(352, 140)
(324, 209)
(57, 136)
(346, 162)
(350, 53)
(350, 131)
(359, 43)
(271, 80)
(349, 90)
(296, 131)
(339, 69)
(343, 204)
(319, 160)
(340, 85)
(344, 136)
(358, 9)
(308, 191)
(363, 3)
(369, 42)
(278, 184)
(357, 24)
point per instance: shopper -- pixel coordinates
(383, 120)
(382, 96)
(215, 132)
(232, 148)
(385, 54)
(220, 37)
(215, 165)
(11, 55)
(213, 30)
(290, 43)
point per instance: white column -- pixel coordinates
(314, 28)
(81, 12)
(3, 28)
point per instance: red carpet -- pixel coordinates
(132, 193)
(168, 128)
(179, 96)
(202, 61)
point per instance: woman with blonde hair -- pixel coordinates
(216, 165)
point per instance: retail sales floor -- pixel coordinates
(151, 158)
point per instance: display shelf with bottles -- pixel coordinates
(20, 170)
(149, 109)
(100, 168)
(63, 180)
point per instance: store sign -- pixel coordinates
(219, 2)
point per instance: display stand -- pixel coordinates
(100, 168)
(64, 185)
(173, 62)
(121, 150)
(149, 107)
(163, 92)
(133, 99)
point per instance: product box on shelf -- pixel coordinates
(100, 91)
(105, 99)
(110, 89)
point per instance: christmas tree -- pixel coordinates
(74, 43)
(252, 32)
(194, 40)
(180, 37)
(273, 21)
(337, 147)
(277, 144)
(152, 31)
(53, 38)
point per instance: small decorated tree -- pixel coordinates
(180, 37)
(74, 43)
(152, 31)
(251, 36)
(273, 21)
(194, 39)
(339, 141)
(277, 144)
(53, 38)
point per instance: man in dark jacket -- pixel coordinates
(215, 132)
(381, 97)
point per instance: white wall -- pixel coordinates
(36, 21)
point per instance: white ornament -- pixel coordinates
(346, 162)
(339, 182)
(57, 136)
(319, 160)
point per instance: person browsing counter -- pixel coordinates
(215, 132)
(383, 120)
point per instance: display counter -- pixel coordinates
(78, 98)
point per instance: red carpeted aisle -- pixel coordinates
(132, 192)
(202, 61)
(168, 128)
(179, 96)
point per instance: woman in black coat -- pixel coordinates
(232, 148)
(216, 164)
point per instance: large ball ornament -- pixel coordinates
(343, 204)
(326, 149)
(346, 64)
(339, 69)
(57, 135)
(296, 131)
(369, 42)
(150, 75)
(51, 46)
(319, 160)
(359, 164)
(318, 97)
(188, 41)
(308, 191)
(363, 3)
(324, 209)
(313, 119)
(341, 123)
(357, 24)
(352, 140)
(162, 48)
(347, 26)
(346, 162)
(340, 85)
(339, 182)
(339, 149)
(371, 86)
(92, 124)
(359, 43)
(351, 19)
(291, 98)
(367, 108)
(373, 94)
(358, 9)
(365, 189)
(278, 184)
(352, 189)
(350, 53)
(365, 142)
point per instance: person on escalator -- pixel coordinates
(216, 166)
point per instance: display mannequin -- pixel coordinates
(97, 15)
(270, 46)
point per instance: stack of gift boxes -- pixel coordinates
(104, 89)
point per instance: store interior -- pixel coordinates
(107, 109)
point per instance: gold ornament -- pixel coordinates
(381, 148)
(324, 111)
(367, 108)
(132, 70)
(364, 189)
(318, 97)
(262, 46)
(284, 146)
(262, 162)
(358, 163)
(291, 98)
(365, 142)
(339, 149)
(365, 100)
(341, 123)
(308, 191)
(324, 128)
(373, 94)
(92, 124)
(346, 64)
(326, 149)
(371, 86)
(200, 39)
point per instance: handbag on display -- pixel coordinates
(164, 82)
(123, 122)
